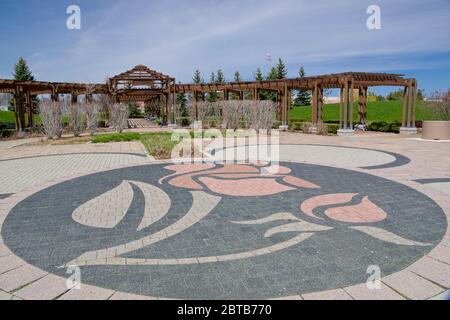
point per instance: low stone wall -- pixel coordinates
(436, 130)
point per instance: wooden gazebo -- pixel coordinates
(144, 84)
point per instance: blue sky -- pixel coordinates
(176, 37)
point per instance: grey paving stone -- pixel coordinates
(19, 277)
(47, 288)
(411, 285)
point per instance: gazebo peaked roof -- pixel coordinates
(141, 73)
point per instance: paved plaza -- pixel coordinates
(310, 228)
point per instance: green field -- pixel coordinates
(389, 111)
(7, 118)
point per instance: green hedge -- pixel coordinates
(331, 127)
(6, 133)
(384, 126)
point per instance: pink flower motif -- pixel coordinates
(364, 212)
(235, 179)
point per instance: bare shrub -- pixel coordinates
(77, 118)
(257, 115)
(305, 127)
(262, 114)
(322, 129)
(440, 104)
(92, 111)
(232, 114)
(209, 113)
(51, 114)
(118, 116)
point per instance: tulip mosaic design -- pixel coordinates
(225, 231)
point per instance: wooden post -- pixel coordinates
(20, 109)
(285, 105)
(416, 93)
(352, 89)
(16, 110)
(346, 105)
(405, 92)
(30, 110)
(320, 105)
(341, 97)
(194, 106)
(362, 105)
(169, 106)
(174, 106)
(314, 106)
(289, 99)
(410, 92)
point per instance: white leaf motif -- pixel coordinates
(106, 210)
(157, 204)
(301, 226)
(387, 236)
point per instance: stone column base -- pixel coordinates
(172, 125)
(408, 130)
(346, 132)
(312, 130)
(283, 127)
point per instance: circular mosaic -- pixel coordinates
(230, 232)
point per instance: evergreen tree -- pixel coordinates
(304, 96)
(181, 101)
(22, 73)
(273, 74)
(258, 75)
(281, 70)
(197, 77)
(213, 96)
(237, 77)
(220, 77)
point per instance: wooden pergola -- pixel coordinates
(347, 83)
(144, 84)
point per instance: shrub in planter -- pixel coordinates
(332, 128)
(7, 133)
(383, 126)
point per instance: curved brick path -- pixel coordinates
(426, 278)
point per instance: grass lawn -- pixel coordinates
(116, 137)
(389, 111)
(158, 144)
(8, 118)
